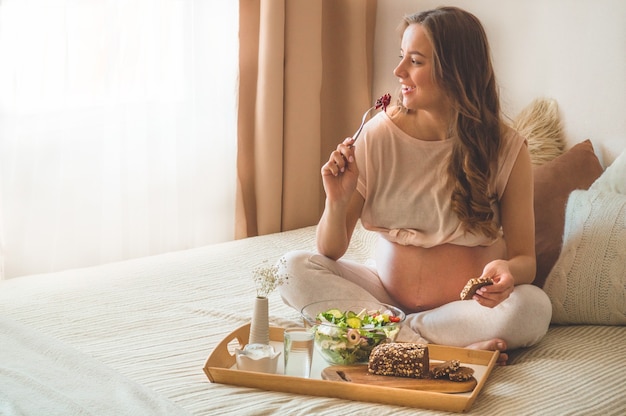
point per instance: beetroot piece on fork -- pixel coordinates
(381, 102)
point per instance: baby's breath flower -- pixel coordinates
(268, 278)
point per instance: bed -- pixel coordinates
(132, 337)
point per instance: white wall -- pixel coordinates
(571, 50)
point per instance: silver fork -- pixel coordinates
(355, 135)
(382, 102)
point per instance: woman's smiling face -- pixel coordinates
(415, 72)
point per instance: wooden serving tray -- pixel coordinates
(359, 374)
(220, 368)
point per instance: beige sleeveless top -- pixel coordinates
(403, 181)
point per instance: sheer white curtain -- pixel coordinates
(117, 129)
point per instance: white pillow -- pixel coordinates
(614, 177)
(588, 282)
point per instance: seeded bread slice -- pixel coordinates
(400, 359)
(473, 285)
(442, 370)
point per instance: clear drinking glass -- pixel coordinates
(298, 352)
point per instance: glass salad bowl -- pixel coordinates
(346, 330)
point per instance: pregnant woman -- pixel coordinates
(448, 188)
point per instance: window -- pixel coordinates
(117, 129)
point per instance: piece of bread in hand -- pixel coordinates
(473, 285)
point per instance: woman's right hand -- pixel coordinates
(343, 205)
(340, 173)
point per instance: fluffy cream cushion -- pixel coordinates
(588, 282)
(541, 124)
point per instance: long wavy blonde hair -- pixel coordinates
(462, 67)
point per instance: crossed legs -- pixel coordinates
(520, 321)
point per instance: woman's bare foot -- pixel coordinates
(495, 344)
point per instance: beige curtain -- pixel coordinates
(305, 80)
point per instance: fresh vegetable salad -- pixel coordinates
(348, 337)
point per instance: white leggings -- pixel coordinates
(521, 320)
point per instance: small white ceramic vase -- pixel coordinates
(260, 325)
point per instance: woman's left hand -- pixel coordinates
(503, 284)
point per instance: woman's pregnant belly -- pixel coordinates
(421, 278)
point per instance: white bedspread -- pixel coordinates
(154, 321)
(41, 376)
